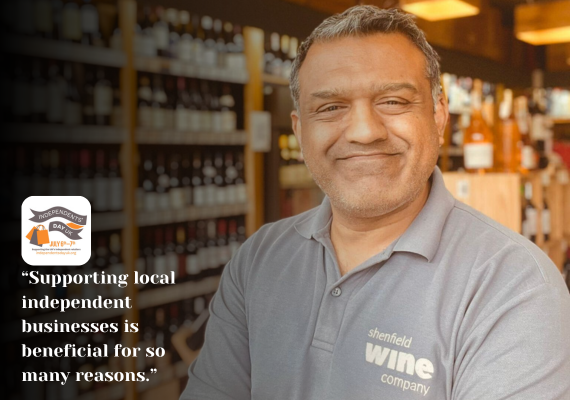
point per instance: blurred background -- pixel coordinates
(172, 118)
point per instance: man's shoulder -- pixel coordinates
(500, 245)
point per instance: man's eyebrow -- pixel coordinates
(375, 89)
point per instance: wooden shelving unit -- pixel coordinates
(53, 133)
(129, 137)
(54, 49)
(150, 136)
(174, 67)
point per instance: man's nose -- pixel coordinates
(365, 125)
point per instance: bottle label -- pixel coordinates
(87, 189)
(228, 121)
(145, 115)
(546, 222)
(56, 100)
(89, 19)
(158, 118)
(38, 100)
(163, 201)
(199, 196)
(21, 99)
(150, 201)
(217, 124)
(116, 194)
(72, 187)
(211, 197)
(101, 202)
(192, 265)
(176, 198)
(160, 265)
(205, 121)
(527, 157)
(43, 20)
(531, 219)
(181, 119)
(71, 23)
(72, 114)
(241, 193)
(172, 263)
(103, 100)
(161, 36)
(184, 50)
(478, 155)
(194, 121)
(203, 258)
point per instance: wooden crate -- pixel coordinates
(499, 196)
(496, 195)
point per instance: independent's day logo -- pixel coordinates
(56, 230)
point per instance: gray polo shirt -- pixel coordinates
(458, 307)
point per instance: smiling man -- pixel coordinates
(390, 288)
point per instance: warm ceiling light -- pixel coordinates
(543, 23)
(435, 10)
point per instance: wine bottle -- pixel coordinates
(101, 183)
(102, 99)
(115, 184)
(529, 214)
(71, 22)
(507, 145)
(38, 93)
(56, 89)
(90, 24)
(478, 138)
(182, 117)
(161, 33)
(87, 189)
(72, 108)
(145, 112)
(176, 192)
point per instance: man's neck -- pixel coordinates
(357, 239)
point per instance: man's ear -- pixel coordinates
(296, 125)
(441, 116)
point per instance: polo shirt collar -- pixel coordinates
(422, 236)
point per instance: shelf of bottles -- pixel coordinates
(516, 129)
(63, 107)
(280, 51)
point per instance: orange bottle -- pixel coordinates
(478, 138)
(507, 153)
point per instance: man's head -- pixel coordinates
(367, 82)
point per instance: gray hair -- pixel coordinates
(364, 21)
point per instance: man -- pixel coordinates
(390, 289)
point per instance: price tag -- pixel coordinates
(260, 131)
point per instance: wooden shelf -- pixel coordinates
(168, 66)
(561, 121)
(55, 133)
(151, 136)
(190, 213)
(65, 51)
(275, 80)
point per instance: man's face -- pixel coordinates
(366, 122)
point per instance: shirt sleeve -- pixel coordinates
(222, 370)
(521, 351)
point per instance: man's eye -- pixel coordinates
(330, 109)
(393, 103)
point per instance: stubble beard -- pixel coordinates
(369, 202)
